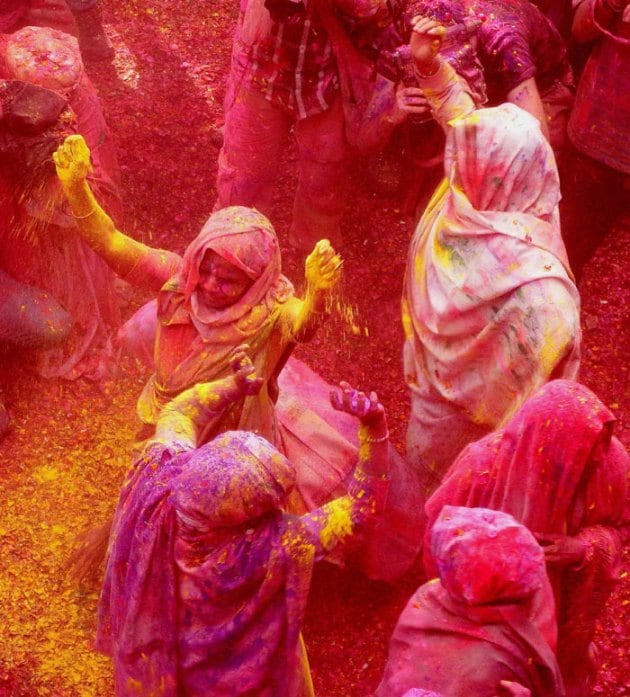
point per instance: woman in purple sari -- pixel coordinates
(207, 576)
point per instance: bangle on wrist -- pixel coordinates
(83, 217)
(434, 66)
(371, 439)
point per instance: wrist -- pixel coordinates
(315, 299)
(374, 431)
(396, 117)
(427, 69)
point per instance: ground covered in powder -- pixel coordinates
(62, 464)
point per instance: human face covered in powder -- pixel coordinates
(220, 283)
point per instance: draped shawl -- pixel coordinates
(200, 595)
(490, 309)
(489, 616)
(556, 467)
(193, 343)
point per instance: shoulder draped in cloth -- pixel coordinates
(200, 593)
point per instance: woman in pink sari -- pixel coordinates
(490, 310)
(488, 618)
(557, 468)
(39, 241)
(208, 576)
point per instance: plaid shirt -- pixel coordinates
(295, 67)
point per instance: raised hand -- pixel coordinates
(425, 42)
(323, 266)
(367, 408)
(72, 160)
(244, 371)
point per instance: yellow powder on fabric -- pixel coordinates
(339, 523)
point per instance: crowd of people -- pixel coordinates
(511, 503)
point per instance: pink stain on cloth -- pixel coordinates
(40, 228)
(193, 346)
(207, 577)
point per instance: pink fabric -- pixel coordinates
(41, 228)
(557, 468)
(321, 442)
(255, 134)
(489, 616)
(201, 595)
(490, 309)
(323, 445)
(603, 133)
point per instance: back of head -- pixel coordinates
(501, 161)
(236, 478)
(485, 557)
(46, 57)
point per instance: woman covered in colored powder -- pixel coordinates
(39, 243)
(208, 576)
(228, 288)
(487, 619)
(557, 468)
(490, 310)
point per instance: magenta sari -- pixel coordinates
(488, 617)
(203, 594)
(557, 468)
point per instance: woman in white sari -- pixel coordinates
(490, 308)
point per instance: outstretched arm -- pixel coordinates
(120, 252)
(338, 520)
(322, 272)
(184, 418)
(527, 96)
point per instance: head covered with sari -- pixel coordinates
(489, 617)
(200, 596)
(558, 469)
(556, 466)
(500, 161)
(245, 239)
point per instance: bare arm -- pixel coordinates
(447, 93)
(120, 252)
(182, 419)
(338, 520)
(527, 96)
